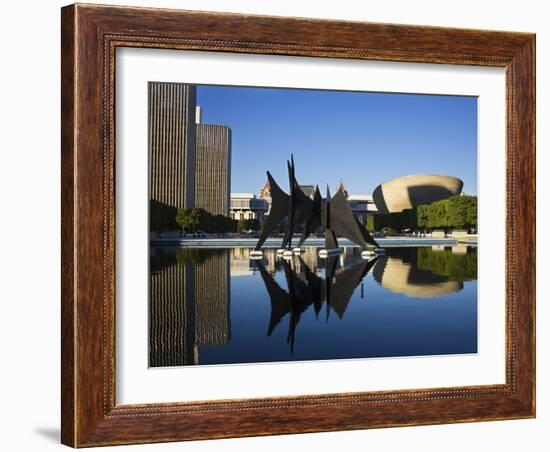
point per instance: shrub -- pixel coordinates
(388, 231)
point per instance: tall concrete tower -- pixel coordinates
(213, 168)
(172, 136)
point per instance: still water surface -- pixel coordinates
(219, 306)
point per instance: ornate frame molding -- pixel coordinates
(90, 36)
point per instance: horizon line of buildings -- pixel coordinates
(189, 162)
(190, 167)
(248, 206)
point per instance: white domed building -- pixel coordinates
(407, 192)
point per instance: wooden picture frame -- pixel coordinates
(90, 35)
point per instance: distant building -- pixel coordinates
(189, 162)
(362, 206)
(343, 189)
(309, 190)
(265, 194)
(400, 276)
(407, 192)
(265, 191)
(240, 263)
(172, 144)
(245, 206)
(213, 168)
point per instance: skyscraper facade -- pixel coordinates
(213, 168)
(189, 306)
(171, 312)
(212, 300)
(172, 137)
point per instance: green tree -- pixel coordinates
(471, 214)
(422, 216)
(189, 219)
(455, 212)
(388, 230)
(438, 215)
(183, 218)
(241, 225)
(197, 215)
(195, 219)
(458, 211)
(459, 267)
(369, 224)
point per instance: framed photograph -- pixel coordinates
(281, 225)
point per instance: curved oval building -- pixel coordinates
(410, 191)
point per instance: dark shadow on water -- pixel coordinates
(50, 433)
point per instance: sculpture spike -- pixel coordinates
(279, 210)
(344, 223)
(333, 214)
(331, 242)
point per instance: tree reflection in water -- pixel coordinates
(198, 296)
(426, 272)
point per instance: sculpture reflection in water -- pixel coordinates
(213, 306)
(306, 288)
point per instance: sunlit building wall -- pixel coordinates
(245, 206)
(213, 168)
(172, 144)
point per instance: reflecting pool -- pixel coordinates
(219, 306)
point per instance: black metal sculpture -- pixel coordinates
(280, 210)
(333, 215)
(344, 223)
(296, 208)
(314, 222)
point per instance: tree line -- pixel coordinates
(456, 212)
(459, 267)
(166, 218)
(197, 219)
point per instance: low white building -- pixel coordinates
(361, 206)
(245, 206)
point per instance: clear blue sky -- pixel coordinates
(361, 138)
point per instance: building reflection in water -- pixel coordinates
(426, 272)
(190, 291)
(189, 304)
